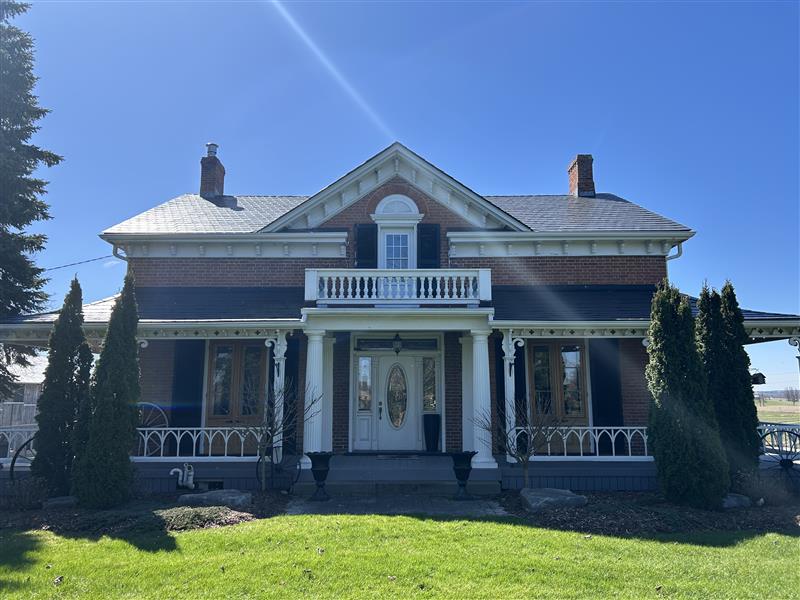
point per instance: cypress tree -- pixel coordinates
(709, 332)
(690, 462)
(21, 283)
(736, 411)
(104, 473)
(66, 384)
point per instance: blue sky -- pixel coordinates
(690, 109)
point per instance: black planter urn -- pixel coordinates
(462, 467)
(432, 425)
(320, 467)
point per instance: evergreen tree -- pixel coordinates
(710, 347)
(66, 385)
(736, 410)
(690, 461)
(104, 474)
(21, 283)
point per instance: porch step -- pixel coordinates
(371, 488)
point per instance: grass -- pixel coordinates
(778, 411)
(396, 557)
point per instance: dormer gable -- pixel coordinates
(393, 163)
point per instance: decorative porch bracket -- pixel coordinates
(278, 344)
(509, 346)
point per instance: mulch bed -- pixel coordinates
(640, 513)
(157, 513)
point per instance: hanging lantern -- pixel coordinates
(397, 343)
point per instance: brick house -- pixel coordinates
(406, 311)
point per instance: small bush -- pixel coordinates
(24, 494)
(757, 486)
(183, 518)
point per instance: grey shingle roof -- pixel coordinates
(248, 214)
(192, 214)
(604, 212)
(588, 303)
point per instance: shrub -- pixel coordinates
(690, 461)
(759, 486)
(24, 494)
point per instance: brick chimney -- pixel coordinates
(212, 174)
(581, 180)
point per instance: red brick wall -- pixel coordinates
(229, 272)
(635, 395)
(569, 270)
(155, 372)
(434, 212)
(341, 393)
(452, 392)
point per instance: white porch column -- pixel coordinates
(312, 427)
(509, 346)
(481, 400)
(278, 345)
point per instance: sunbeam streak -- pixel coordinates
(334, 72)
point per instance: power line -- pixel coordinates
(81, 262)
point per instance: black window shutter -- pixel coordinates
(428, 246)
(367, 246)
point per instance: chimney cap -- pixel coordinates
(211, 148)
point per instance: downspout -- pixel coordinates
(678, 254)
(116, 254)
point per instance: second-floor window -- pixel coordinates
(397, 256)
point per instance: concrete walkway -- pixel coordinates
(398, 504)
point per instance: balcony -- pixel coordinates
(393, 287)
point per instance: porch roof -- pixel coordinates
(588, 303)
(513, 306)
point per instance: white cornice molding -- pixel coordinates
(466, 244)
(380, 319)
(395, 161)
(306, 244)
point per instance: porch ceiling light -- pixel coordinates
(397, 343)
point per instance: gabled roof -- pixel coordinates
(192, 214)
(396, 161)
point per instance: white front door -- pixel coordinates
(399, 406)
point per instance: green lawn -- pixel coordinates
(776, 410)
(374, 556)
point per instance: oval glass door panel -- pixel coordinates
(397, 396)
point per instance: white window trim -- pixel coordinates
(397, 222)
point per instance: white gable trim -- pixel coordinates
(396, 161)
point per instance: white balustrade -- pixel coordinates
(165, 443)
(12, 438)
(598, 443)
(398, 286)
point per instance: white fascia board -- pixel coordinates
(245, 238)
(467, 244)
(397, 319)
(520, 325)
(370, 172)
(305, 244)
(535, 236)
(576, 329)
